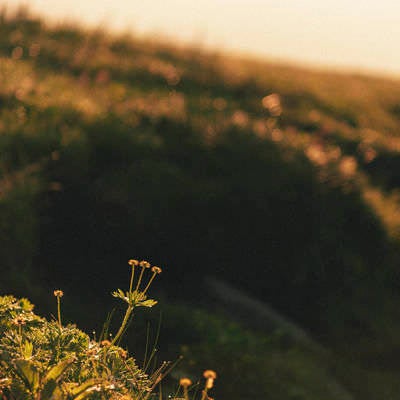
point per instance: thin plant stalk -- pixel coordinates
(132, 277)
(150, 281)
(58, 294)
(59, 311)
(185, 393)
(123, 324)
(140, 278)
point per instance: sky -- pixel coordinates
(361, 35)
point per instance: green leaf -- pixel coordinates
(28, 373)
(147, 303)
(48, 390)
(83, 390)
(25, 304)
(27, 349)
(121, 295)
(55, 372)
(52, 391)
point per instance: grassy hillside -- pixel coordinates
(280, 180)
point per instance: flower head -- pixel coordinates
(156, 270)
(133, 263)
(210, 374)
(144, 264)
(185, 382)
(58, 293)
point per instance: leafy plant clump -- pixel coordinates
(46, 360)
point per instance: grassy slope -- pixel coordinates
(64, 92)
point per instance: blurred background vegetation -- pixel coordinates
(277, 181)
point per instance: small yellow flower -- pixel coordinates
(210, 374)
(105, 343)
(156, 270)
(133, 263)
(58, 293)
(19, 321)
(185, 382)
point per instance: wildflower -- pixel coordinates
(210, 374)
(105, 343)
(185, 382)
(133, 263)
(144, 264)
(59, 293)
(156, 270)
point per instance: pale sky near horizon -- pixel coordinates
(360, 35)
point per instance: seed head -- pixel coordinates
(58, 293)
(210, 374)
(156, 270)
(185, 382)
(133, 263)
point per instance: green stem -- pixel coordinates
(151, 280)
(123, 325)
(20, 338)
(140, 278)
(59, 310)
(204, 394)
(132, 276)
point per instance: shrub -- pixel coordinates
(46, 360)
